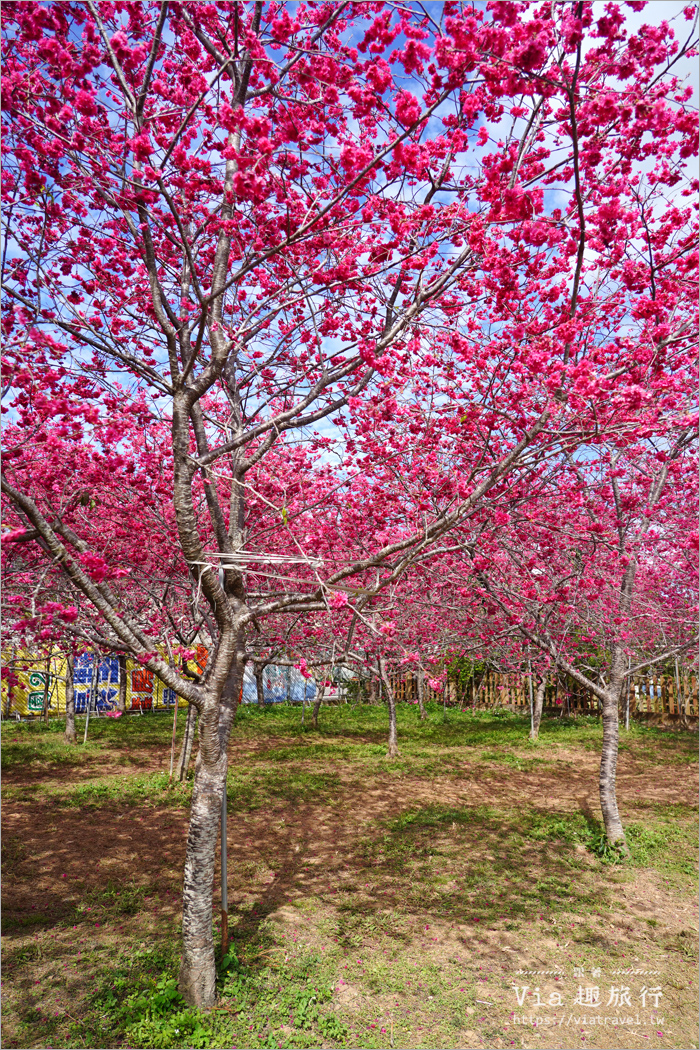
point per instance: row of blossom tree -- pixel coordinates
(355, 319)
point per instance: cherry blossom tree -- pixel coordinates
(239, 222)
(601, 576)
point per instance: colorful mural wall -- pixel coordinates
(96, 682)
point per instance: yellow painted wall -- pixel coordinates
(144, 690)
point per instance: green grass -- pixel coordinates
(511, 869)
(137, 996)
(358, 735)
(41, 739)
(147, 789)
(362, 920)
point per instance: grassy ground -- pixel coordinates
(458, 896)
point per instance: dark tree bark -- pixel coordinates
(69, 735)
(258, 671)
(537, 708)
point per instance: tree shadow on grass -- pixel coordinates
(474, 866)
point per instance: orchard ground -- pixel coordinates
(418, 902)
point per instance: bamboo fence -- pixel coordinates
(655, 694)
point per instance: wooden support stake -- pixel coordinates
(172, 746)
(627, 691)
(224, 875)
(93, 690)
(47, 685)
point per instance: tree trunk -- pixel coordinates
(372, 699)
(47, 690)
(420, 692)
(183, 762)
(70, 736)
(258, 671)
(537, 708)
(320, 690)
(197, 981)
(10, 685)
(476, 693)
(608, 759)
(680, 705)
(393, 751)
(121, 699)
(556, 696)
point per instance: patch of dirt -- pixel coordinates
(296, 867)
(65, 854)
(65, 850)
(577, 788)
